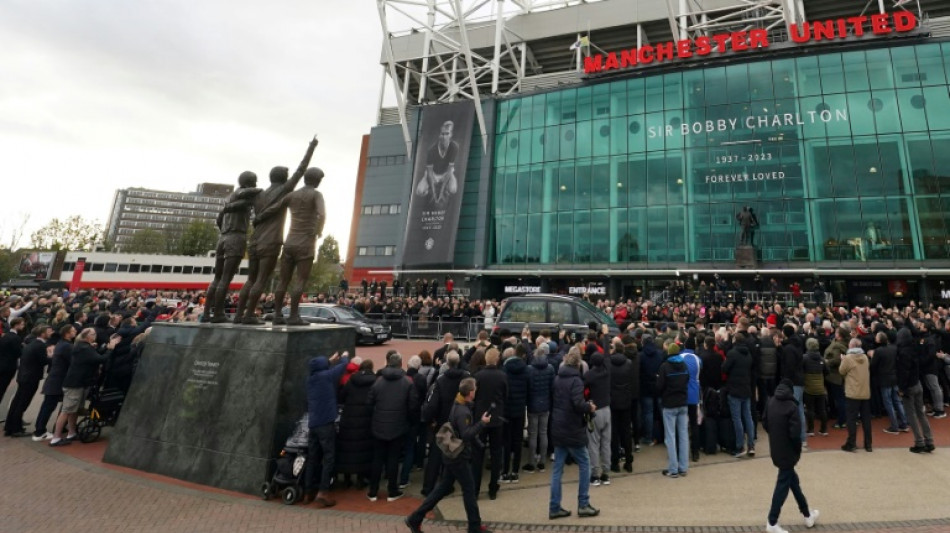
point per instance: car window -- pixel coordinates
(599, 316)
(304, 311)
(561, 312)
(524, 311)
(586, 317)
(345, 313)
(322, 312)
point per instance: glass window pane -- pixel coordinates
(534, 237)
(565, 237)
(637, 182)
(904, 61)
(635, 96)
(620, 236)
(737, 83)
(862, 119)
(654, 93)
(565, 195)
(855, 71)
(582, 236)
(601, 134)
(937, 101)
(760, 81)
(783, 78)
(521, 239)
(831, 72)
(600, 185)
(617, 182)
(584, 100)
(548, 238)
(809, 83)
(930, 63)
(582, 186)
(880, 70)
(636, 134)
(673, 91)
(568, 139)
(913, 111)
(715, 89)
(886, 115)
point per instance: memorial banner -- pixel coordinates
(438, 179)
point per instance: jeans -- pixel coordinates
(676, 425)
(647, 409)
(916, 417)
(386, 452)
(18, 405)
(457, 471)
(579, 454)
(46, 411)
(620, 437)
(495, 446)
(741, 411)
(787, 479)
(598, 444)
(894, 407)
(816, 405)
(936, 392)
(799, 393)
(514, 432)
(538, 437)
(322, 443)
(409, 453)
(836, 393)
(433, 464)
(855, 407)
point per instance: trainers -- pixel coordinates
(810, 434)
(774, 529)
(848, 447)
(513, 478)
(812, 518)
(929, 448)
(540, 467)
(371, 497)
(395, 496)
(505, 478)
(528, 468)
(739, 454)
(683, 473)
(413, 528)
(604, 479)
(615, 469)
(940, 414)
(404, 485)
(587, 511)
(560, 513)
(72, 437)
(918, 449)
(671, 474)
(636, 447)
(44, 436)
(628, 467)
(892, 431)
(751, 452)
(839, 426)
(59, 442)
(904, 429)
(594, 481)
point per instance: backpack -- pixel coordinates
(448, 441)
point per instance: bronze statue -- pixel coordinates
(267, 239)
(307, 216)
(748, 222)
(232, 243)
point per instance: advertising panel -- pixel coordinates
(37, 265)
(437, 184)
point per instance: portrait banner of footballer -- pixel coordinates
(438, 179)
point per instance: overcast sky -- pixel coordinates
(106, 94)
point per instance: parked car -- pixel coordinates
(553, 312)
(367, 331)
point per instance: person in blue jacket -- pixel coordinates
(325, 374)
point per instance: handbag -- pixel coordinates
(448, 441)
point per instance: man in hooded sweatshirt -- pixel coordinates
(783, 424)
(321, 406)
(856, 371)
(597, 381)
(672, 383)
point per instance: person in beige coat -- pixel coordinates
(856, 370)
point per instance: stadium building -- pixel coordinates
(613, 146)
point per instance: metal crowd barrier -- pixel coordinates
(724, 297)
(416, 327)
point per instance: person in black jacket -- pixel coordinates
(540, 383)
(122, 364)
(435, 412)
(11, 348)
(911, 391)
(597, 382)
(35, 358)
(738, 371)
(83, 367)
(515, 404)
(460, 415)
(53, 386)
(492, 392)
(421, 382)
(782, 423)
(884, 369)
(672, 383)
(393, 397)
(569, 434)
(623, 381)
(791, 361)
(651, 357)
(354, 442)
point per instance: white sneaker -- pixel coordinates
(774, 529)
(812, 518)
(44, 436)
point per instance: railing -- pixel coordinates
(421, 327)
(725, 297)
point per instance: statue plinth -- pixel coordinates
(745, 256)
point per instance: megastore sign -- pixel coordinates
(743, 41)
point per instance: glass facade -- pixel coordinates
(844, 157)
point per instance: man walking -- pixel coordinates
(783, 424)
(457, 469)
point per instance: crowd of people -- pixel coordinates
(695, 377)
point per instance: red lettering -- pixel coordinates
(722, 40)
(664, 52)
(879, 24)
(904, 21)
(682, 49)
(842, 28)
(645, 54)
(628, 58)
(703, 47)
(739, 41)
(857, 24)
(824, 30)
(612, 63)
(759, 38)
(594, 63)
(800, 34)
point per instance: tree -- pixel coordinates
(198, 238)
(16, 231)
(9, 265)
(73, 233)
(326, 272)
(147, 241)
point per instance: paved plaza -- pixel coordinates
(70, 489)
